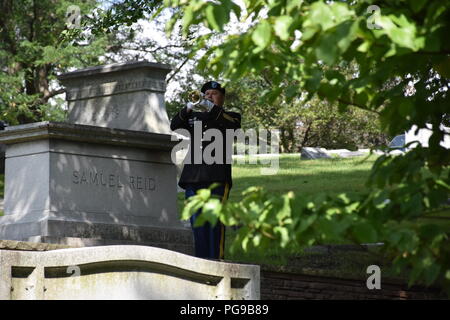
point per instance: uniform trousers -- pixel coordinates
(209, 241)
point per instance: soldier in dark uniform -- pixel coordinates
(209, 241)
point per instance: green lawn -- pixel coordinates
(308, 177)
(305, 177)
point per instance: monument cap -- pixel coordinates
(212, 85)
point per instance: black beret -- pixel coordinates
(212, 85)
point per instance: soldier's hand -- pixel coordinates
(190, 106)
(204, 106)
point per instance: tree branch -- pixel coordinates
(143, 49)
(53, 93)
(264, 76)
(356, 105)
(177, 69)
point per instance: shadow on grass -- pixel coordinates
(333, 182)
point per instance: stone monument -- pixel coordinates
(105, 176)
(126, 96)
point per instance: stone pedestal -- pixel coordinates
(86, 185)
(126, 96)
(105, 176)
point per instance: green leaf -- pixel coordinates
(309, 32)
(432, 273)
(443, 184)
(262, 35)
(292, 91)
(365, 233)
(188, 16)
(281, 26)
(284, 235)
(361, 98)
(341, 12)
(285, 210)
(236, 9)
(306, 222)
(210, 213)
(257, 240)
(401, 31)
(190, 208)
(271, 96)
(364, 47)
(344, 197)
(293, 4)
(313, 82)
(333, 74)
(245, 242)
(319, 14)
(204, 194)
(417, 5)
(327, 50)
(330, 92)
(336, 41)
(217, 16)
(429, 231)
(415, 273)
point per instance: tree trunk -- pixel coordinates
(305, 137)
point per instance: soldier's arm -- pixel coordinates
(221, 119)
(180, 120)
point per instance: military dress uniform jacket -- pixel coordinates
(203, 172)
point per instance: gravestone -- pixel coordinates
(309, 153)
(93, 181)
(125, 95)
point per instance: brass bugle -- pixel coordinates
(195, 96)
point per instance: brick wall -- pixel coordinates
(294, 286)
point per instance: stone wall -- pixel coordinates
(295, 286)
(245, 281)
(51, 272)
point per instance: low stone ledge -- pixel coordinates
(30, 246)
(86, 133)
(122, 272)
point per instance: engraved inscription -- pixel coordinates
(116, 181)
(114, 88)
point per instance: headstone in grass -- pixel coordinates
(309, 153)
